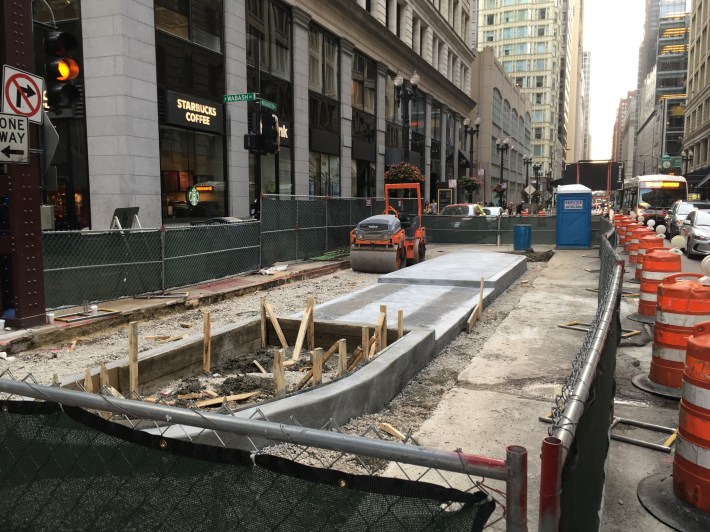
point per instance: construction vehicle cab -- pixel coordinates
(387, 242)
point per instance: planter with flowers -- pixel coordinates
(403, 173)
(470, 185)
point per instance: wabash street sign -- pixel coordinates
(14, 139)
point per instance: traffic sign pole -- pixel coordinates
(22, 276)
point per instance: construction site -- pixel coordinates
(322, 397)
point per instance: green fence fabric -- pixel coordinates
(196, 254)
(461, 229)
(100, 265)
(63, 468)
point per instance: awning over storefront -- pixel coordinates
(463, 160)
(704, 181)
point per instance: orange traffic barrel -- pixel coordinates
(681, 306)
(636, 235)
(647, 243)
(541, 212)
(619, 220)
(630, 228)
(691, 463)
(657, 265)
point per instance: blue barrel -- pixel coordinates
(522, 236)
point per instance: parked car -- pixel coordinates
(463, 209)
(696, 230)
(677, 213)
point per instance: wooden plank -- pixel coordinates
(305, 324)
(188, 396)
(353, 358)
(157, 337)
(311, 343)
(317, 358)
(472, 319)
(262, 316)
(389, 429)
(261, 368)
(342, 357)
(210, 393)
(88, 384)
(383, 312)
(103, 376)
(133, 357)
(480, 299)
(220, 400)
(278, 372)
(206, 342)
(400, 323)
(275, 324)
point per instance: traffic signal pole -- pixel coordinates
(21, 264)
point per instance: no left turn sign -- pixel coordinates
(22, 94)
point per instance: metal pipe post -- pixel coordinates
(550, 485)
(516, 496)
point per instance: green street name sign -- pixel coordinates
(244, 97)
(268, 104)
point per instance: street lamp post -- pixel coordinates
(405, 94)
(502, 147)
(473, 131)
(687, 158)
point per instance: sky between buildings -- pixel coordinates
(613, 30)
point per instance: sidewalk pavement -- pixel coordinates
(511, 380)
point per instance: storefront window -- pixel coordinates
(199, 21)
(191, 159)
(324, 174)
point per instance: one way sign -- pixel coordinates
(14, 139)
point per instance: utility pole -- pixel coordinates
(21, 264)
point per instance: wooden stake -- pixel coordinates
(480, 299)
(342, 357)
(305, 324)
(103, 376)
(207, 343)
(55, 379)
(311, 343)
(262, 314)
(261, 368)
(275, 323)
(378, 330)
(400, 323)
(278, 372)
(133, 357)
(383, 312)
(365, 340)
(317, 358)
(326, 357)
(472, 319)
(88, 384)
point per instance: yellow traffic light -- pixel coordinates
(67, 69)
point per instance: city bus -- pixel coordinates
(650, 195)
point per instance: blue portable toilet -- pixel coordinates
(574, 217)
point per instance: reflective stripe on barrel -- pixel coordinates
(681, 305)
(657, 265)
(691, 462)
(636, 235)
(646, 243)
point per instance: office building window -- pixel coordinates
(364, 84)
(490, 20)
(199, 21)
(323, 71)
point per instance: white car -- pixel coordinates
(493, 212)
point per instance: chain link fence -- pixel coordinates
(574, 454)
(71, 460)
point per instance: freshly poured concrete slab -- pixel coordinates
(436, 294)
(462, 268)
